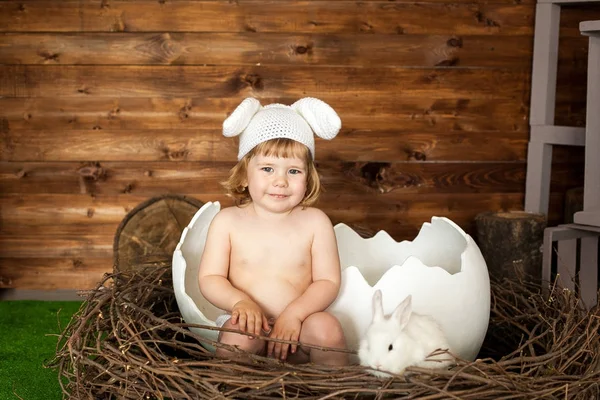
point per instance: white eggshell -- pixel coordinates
(442, 268)
(194, 308)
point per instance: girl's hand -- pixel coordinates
(287, 327)
(250, 318)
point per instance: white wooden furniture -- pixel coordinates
(591, 186)
(544, 134)
(584, 233)
(569, 237)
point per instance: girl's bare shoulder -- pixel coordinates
(225, 216)
(313, 216)
(228, 211)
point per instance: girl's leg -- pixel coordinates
(324, 330)
(244, 342)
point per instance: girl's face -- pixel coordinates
(276, 184)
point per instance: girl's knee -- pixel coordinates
(323, 329)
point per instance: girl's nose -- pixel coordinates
(280, 180)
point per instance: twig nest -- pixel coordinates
(128, 341)
(442, 269)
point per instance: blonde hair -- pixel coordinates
(236, 187)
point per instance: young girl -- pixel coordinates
(272, 261)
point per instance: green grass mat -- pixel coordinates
(28, 332)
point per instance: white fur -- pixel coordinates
(413, 338)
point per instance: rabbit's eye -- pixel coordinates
(390, 347)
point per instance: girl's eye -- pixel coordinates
(267, 169)
(390, 347)
(295, 171)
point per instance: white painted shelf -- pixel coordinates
(591, 186)
(577, 243)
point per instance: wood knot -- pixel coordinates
(254, 81)
(160, 49)
(92, 171)
(112, 114)
(366, 27)
(417, 155)
(178, 155)
(175, 155)
(128, 188)
(90, 212)
(303, 49)
(455, 42)
(385, 177)
(184, 111)
(482, 19)
(48, 57)
(450, 62)
(77, 263)
(371, 172)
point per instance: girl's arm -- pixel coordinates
(215, 286)
(326, 271)
(214, 266)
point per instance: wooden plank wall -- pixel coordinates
(104, 104)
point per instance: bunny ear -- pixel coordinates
(403, 311)
(323, 120)
(377, 306)
(240, 117)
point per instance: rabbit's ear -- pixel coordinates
(377, 306)
(240, 117)
(403, 311)
(323, 120)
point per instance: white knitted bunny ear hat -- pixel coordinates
(256, 124)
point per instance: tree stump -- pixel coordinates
(511, 244)
(149, 233)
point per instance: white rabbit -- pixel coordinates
(393, 343)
